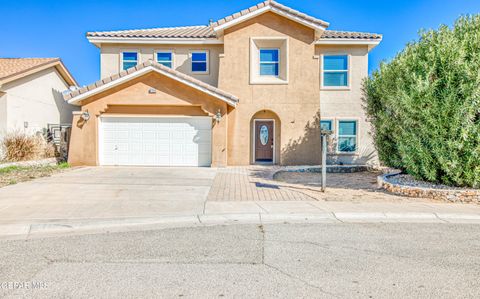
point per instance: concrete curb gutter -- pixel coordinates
(27, 230)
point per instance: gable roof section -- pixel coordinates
(273, 6)
(80, 94)
(12, 69)
(211, 34)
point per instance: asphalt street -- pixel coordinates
(341, 260)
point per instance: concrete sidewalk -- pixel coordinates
(222, 213)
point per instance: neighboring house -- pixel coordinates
(31, 94)
(253, 87)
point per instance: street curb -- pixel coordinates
(26, 230)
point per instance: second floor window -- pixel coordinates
(269, 62)
(165, 58)
(200, 62)
(129, 59)
(335, 71)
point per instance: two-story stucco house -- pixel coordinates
(253, 87)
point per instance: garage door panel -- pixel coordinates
(162, 135)
(161, 141)
(135, 148)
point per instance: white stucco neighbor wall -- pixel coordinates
(346, 104)
(110, 60)
(36, 99)
(3, 114)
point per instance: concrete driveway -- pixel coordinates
(108, 192)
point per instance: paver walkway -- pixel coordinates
(256, 183)
(252, 183)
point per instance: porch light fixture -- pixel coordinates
(85, 115)
(218, 116)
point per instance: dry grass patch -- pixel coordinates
(20, 146)
(16, 174)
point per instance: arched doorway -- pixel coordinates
(265, 138)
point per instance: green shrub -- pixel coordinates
(424, 106)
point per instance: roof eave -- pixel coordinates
(371, 43)
(77, 99)
(98, 41)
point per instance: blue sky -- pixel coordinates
(57, 28)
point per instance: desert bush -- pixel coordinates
(20, 146)
(424, 106)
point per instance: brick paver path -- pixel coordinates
(256, 183)
(252, 183)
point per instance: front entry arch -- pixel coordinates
(265, 138)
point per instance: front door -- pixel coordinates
(264, 141)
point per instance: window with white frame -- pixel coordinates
(347, 136)
(129, 60)
(269, 62)
(199, 62)
(335, 70)
(165, 58)
(326, 125)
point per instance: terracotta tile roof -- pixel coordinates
(168, 32)
(273, 4)
(163, 69)
(349, 35)
(14, 66)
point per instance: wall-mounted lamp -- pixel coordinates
(85, 116)
(218, 116)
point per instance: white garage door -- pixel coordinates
(155, 141)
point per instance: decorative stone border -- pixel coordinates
(43, 162)
(449, 195)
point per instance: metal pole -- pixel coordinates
(324, 162)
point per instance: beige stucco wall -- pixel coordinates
(36, 99)
(338, 105)
(110, 60)
(133, 98)
(296, 104)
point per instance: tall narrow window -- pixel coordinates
(200, 62)
(347, 136)
(269, 62)
(335, 70)
(129, 59)
(165, 58)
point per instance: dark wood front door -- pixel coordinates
(264, 140)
